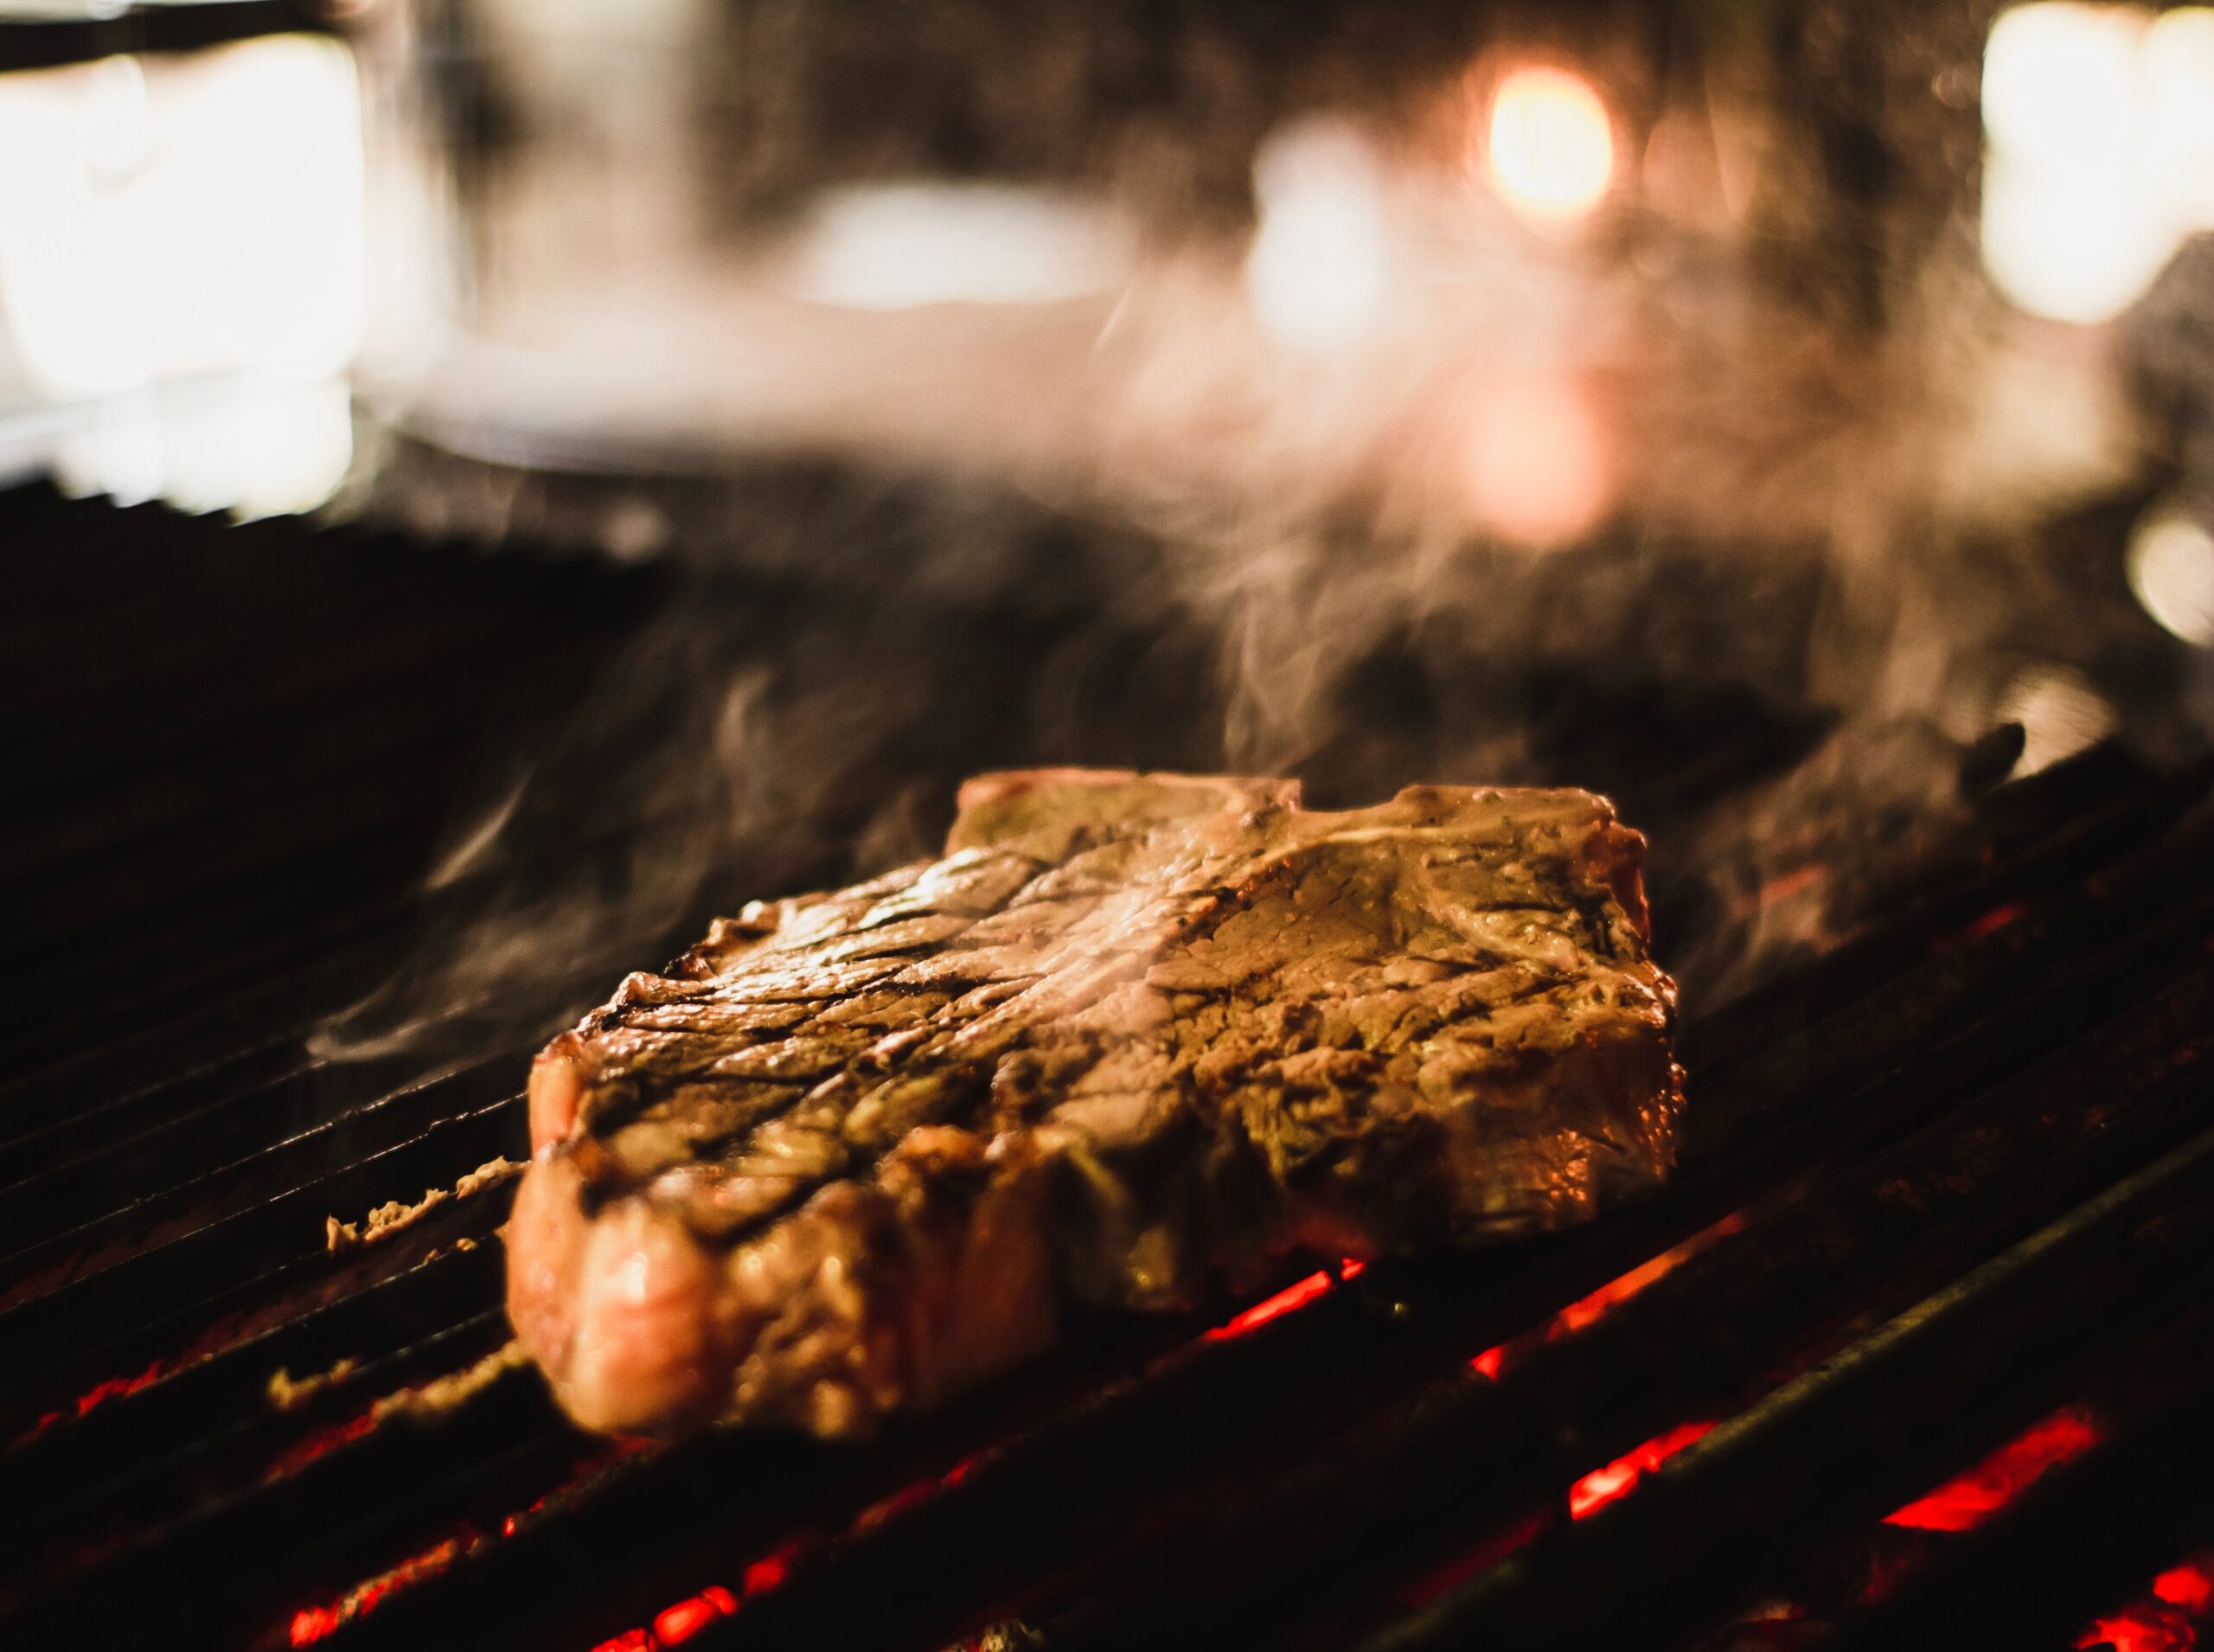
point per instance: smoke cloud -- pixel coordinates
(1682, 508)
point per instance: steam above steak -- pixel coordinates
(858, 1151)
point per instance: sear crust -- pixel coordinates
(855, 1152)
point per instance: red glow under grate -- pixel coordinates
(312, 1623)
(1967, 1501)
(1288, 1300)
(687, 1617)
(2146, 1628)
(1604, 1486)
(1587, 1310)
(113, 1388)
(679, 1623)
(323, 1442)
(2190, 1586)
(2169, 1617)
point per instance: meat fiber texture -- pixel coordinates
(1134, 1034)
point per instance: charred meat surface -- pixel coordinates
(856, 1150)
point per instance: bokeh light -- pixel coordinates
(1536, 459)
(2100, 126)
(1319, 269)
(2060, 81)
(2172, 570)
(900, 246)
(2067, 243)
(1550, 144)
(185, 216)
(2177, 57)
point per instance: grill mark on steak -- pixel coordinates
(854, 1150)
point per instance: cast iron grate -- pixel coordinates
(1946, 1184)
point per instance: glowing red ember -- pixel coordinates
(311, 1623)
(1588, 1310)
(681, 1622)
(321, 1442)
(1284, 1302)
(1604, 1486)
(2146, 1626)
(101, 1393)
(2190, 1586)
(687, 1617)
(2167, 1619)
(1967, 1501)
(1583, 1311)
(768, 1572)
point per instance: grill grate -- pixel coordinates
(1947, 1180)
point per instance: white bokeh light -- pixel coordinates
(2060, 82)
(2172, 572)
(901, 246)
(2178, 157)
(2100, 126)
(2068, 243)
(1318, 270)
(183, 216)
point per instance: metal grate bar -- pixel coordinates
(1859, 1435)
(2148, 1492)
(83, 1461)
(264, 1013)
(1141, 1443)
(57, 1024)
(1878, 1126)
(211, 1163)
(120, 1314)
(139, 1225)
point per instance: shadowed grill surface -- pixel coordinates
(1947, 1180)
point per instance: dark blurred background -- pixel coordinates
(1793, 419)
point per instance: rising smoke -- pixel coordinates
(1670, 508)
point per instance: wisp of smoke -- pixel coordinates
(1632, 512)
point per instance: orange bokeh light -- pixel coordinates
(1549, 143)
(1537, 467)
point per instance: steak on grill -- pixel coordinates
(858, 1150)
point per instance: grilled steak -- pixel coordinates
(858, 1151)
